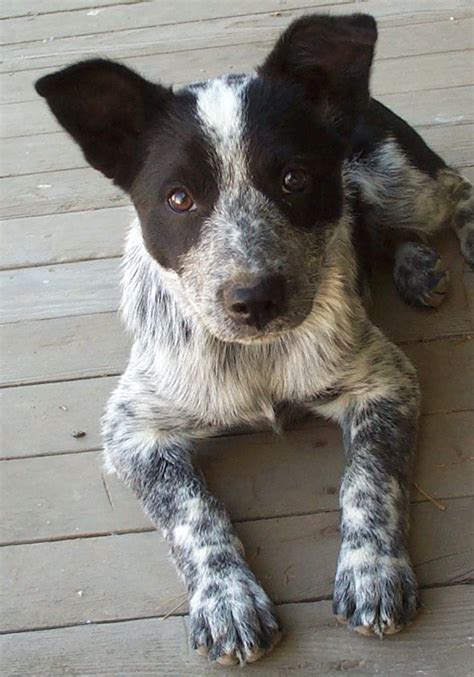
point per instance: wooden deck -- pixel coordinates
(87, 586)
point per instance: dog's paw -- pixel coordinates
(419, 275)
(231, 618)
(374, 595)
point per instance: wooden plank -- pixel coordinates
(61, 238)
(302, 468)
(67, 191)
(425, 71)
(40, 419)
(157, 54)
(442, 372)
(69, 498)
(144, 46)
(438, 644)
(123, 17)
(130, 575)
(63, 348)
(60, 290)
(437, 107)
(11, 8)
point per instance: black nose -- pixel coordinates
(258, 303)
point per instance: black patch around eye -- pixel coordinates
(283, 130)
(178, 159)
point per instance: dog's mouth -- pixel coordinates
(229, 332)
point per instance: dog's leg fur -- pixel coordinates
(375, 588)
(231, 617)
(407, 194)
(419, 275)
(462, 221)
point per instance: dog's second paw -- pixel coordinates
(376, 594)
(419, 275)
(231, 617)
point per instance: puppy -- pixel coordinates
(241, 288)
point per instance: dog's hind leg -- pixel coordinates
(147, 444)
(462, 220)
(419, 275)
(406, 194)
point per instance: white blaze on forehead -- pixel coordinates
(220, 108)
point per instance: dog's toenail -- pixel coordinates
(255, 655)
(227, 659)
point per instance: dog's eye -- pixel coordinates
(180, 201)
(294, 181)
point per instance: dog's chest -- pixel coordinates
(243, 384)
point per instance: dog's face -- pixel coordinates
(237, 181)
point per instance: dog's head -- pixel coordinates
(238, 180)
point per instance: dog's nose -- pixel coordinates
(258, 303)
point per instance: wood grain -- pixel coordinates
(297, 473)
(130, 575)
(41, 419)
(155, 44)
(62, 349)
(438, 644)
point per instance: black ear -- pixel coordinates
(331, 58)
(107, 109)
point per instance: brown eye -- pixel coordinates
(295, 181)
(180, 201)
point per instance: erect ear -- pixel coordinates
(107, 109)
(331, 58)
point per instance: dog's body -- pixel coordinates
(247, 297)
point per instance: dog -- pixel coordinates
(243, 290)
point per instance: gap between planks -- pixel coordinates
(177, 613)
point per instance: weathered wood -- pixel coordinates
(438, 644)
(145, 46)
(130, 575)
(41, 419)
(60, 290)
(62, 496)
(298, 473)
(61, 349)
(12, 9)
(74, 236)
(420, 72)
(446, 375)
(124, 16)
(65, 191)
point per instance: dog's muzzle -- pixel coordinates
(256, 303)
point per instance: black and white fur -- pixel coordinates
(194, 371)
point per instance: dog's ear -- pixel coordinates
(331, 58)
(107, 109)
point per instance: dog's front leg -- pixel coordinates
(231, 617)
(375, 589)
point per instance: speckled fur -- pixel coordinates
(193, 372)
